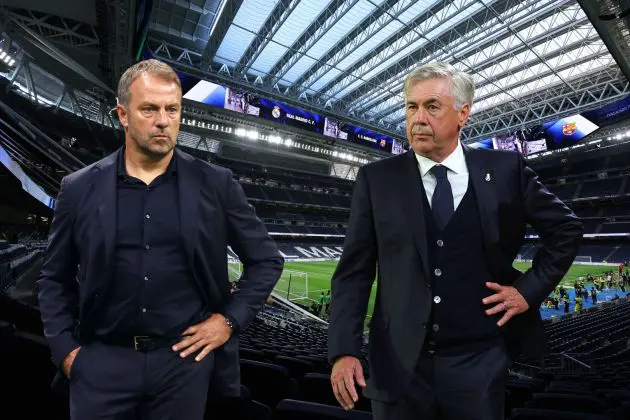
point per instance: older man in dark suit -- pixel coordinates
(444, 223)
(134, 290)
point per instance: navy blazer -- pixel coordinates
(387, 226)
(214, 212)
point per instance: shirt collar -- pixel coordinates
(122, 170)
(455, 162)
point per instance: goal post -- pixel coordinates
(583, 259)
(293, 285)
(235, 269)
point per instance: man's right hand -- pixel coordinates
(69, 361)
(344, 372)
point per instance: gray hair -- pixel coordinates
(151, 66)
(462, 84)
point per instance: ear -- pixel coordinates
(463, 114)
(122, 115)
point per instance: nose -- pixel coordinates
(162, 120)
(419, 117)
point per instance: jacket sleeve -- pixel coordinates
(560, 232)
(262, 262)
(58, 287)
(353, 279)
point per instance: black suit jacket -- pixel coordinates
(214, 212)
(386, 229)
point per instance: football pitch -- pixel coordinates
(320, 274)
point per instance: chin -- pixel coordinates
(422, 147)
(159, 151)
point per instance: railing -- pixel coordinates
(571, 364)
(524, 370)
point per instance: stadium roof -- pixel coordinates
(532, 60)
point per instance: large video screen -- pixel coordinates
(527, 142)
(611, 113)
(252, 104)
(567, 131)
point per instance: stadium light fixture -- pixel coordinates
(252, 134)
(2, 55)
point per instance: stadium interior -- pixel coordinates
(293, 97)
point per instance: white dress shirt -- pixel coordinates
(457, 174)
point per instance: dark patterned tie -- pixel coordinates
(442, 201)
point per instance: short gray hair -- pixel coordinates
(462, 84)
(150, 66)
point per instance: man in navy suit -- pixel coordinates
(443, 224)
(134, 291)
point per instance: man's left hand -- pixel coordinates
(508, 299)
(207, 335)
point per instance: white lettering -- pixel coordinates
(313, 253)
(287, 255)
(332, 252)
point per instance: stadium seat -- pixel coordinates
(567, 402)
(241, 408)
(297, 368)
(543, 414)
(267, 383)
(250, 354)
(25, 317)
(315, 387)
(293, 410)
(613, 397)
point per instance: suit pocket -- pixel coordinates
(76, 369)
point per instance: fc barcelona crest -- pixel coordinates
(569, 129)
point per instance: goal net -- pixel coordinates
(584, 259)
(293, 285)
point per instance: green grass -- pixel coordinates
(320, 273)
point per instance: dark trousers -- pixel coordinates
(462, 387)
(111, 382)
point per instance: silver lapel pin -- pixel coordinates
(488, 177)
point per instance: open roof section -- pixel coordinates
(532, 60)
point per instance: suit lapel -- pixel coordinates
(188, 187)
(105, 184)
(414, 208)
(483, 180)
